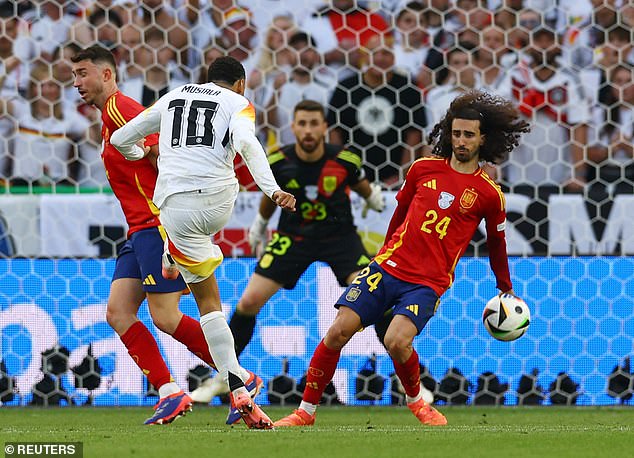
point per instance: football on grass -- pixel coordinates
(506, 317)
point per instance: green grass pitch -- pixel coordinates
(339, 432)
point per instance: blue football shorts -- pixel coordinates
(374, 292)
(140, 257)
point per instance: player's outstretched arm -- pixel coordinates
(244, 141)
(127, 137)
(284, 200)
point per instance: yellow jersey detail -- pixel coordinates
(413, 308)
(431, 184)
(275, 157)
(348, 156)
(381, 258)
(114, 113)
(293, 184)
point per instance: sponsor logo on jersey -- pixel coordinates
(311, 192)
(445, 200)
(330, 184)
(501, 226)
(468, 198)
(431, 184)
(353, 294)
(293, 184)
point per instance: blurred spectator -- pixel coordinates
(309, 80)
(238, 37)
(131, 41)
(205, 20)
(161, 73)
(340, 28)
(580, 40)
(493, 58)
(440, 26)
(551, 97)
(627, 14)
(47, 133)
(380, 113)
(412, 42)
(264, 11)
(63, 73)
(13, 73)
(209, 56)
(49, 26)
(472, 14)
(101, 26)
(594, 77)
(160, 14)
(274, 62)
(519, 35)
(612, 157)
(461, 77)
(507, 13)
(620, 38)
(13, 81)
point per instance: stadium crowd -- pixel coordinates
(387, 70)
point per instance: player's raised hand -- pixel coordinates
(284, 200)
(257, 234)
(375, 201)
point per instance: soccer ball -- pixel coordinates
(506, 317)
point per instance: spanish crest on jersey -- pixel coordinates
(445, 200)
(468, 198)
(330, 184)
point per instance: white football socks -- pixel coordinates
(409, 399)
(168, 388)
(308, 407)
(221, 345)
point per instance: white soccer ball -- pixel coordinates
(506, 317)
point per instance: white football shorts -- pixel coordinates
(191, 219)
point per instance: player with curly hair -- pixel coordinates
(440, 206)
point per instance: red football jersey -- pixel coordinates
(438, 212)
(132, 182)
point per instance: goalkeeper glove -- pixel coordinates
(257, 233)
(375, 201)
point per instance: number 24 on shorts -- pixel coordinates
(372, 280)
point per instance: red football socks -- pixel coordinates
(320, 372)
(409, 374)
(190, 334)
(144, 351)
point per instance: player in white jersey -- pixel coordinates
(202, 127)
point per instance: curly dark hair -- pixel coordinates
(500, 123)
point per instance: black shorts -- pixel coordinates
(286, 259)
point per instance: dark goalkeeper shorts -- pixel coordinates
(286, 259)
